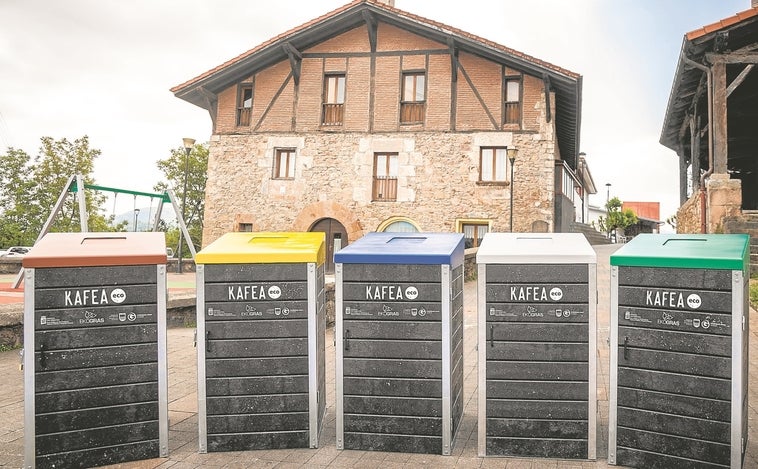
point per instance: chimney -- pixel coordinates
(754, 3)
(392, 2)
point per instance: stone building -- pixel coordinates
(370, 118)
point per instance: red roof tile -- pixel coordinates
(741, 16)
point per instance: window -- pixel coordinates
(334, 99)
(492, 165)
(398, 225)
(244, 104)
(473, 233)
(246, 227)
(385, 177)
(512, 100)
(413, 98)
(284, 163)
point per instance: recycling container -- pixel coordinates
(261, 322)
(399, 342)
(536, 303)
(95, 374)
(679, 355)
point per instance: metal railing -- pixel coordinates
(385, 188)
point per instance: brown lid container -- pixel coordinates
(97, 249)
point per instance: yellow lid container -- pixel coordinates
(264, 248)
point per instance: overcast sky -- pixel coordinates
(103, 68)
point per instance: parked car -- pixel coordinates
(16, 251)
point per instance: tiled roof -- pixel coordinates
(437, 25)
(718, 25)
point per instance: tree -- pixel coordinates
(616, 218)
(672, 221)
(30, 188)
(196, 168)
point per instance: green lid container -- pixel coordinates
(686, 251)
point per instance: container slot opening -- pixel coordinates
(102, 238)
(407, 240)
(539, 238)
(685, 240)
(267, 239)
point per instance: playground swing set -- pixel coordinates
(76, 182)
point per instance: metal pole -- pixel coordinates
(513, 160)
(136, 217)
(187, 151)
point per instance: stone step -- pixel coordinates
(593, 236)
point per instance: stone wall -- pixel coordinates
(437, 182)
(689, 215)
(723, 200)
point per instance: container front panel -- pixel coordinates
(392, 357)
(96, 365)
(674, 367)
(537, 360)
(256, 356)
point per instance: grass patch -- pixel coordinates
(8, 348)
(754, 293)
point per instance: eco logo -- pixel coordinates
(556, 294)
(411, 293)
(694, 301)
(118, 295)
(274, 292)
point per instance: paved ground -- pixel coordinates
(183, 409)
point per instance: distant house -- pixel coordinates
(711, 123)
(648, 215)
(370, 118)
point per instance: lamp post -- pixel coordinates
(608, 199)
(511, 153)
(188, 144)
(136, 217)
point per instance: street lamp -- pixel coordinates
(188, 144)
(511, 153)
(608, 192)
(136, 217)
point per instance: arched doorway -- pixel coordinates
(336, 238)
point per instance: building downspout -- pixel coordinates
(707, 71)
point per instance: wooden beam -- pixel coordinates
(740, 78)
(548, 111)
(719, 124)
(371, 27)
(733, 58)
(682, 178)
(211, 103)
(295, 58)
(453, 82)
(479, 97)
(273, 101)
(695, 152)
(453, 59)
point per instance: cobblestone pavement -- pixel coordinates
(183, 411)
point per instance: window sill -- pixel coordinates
(384, 200)
(282, 179)
(493, 183)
